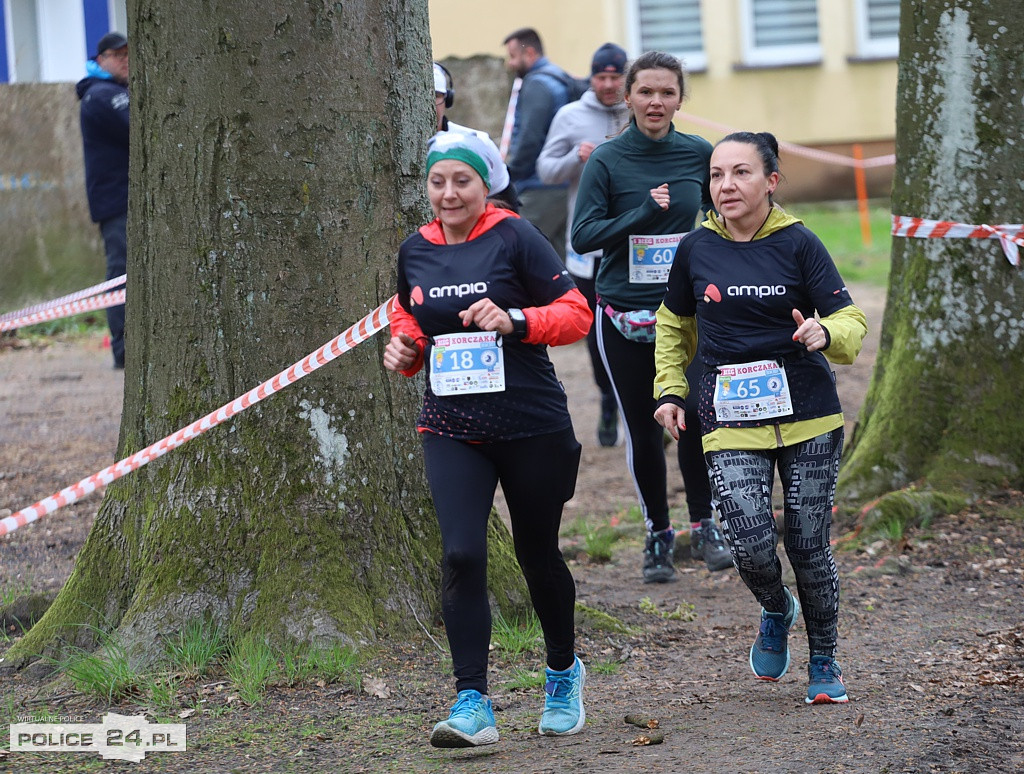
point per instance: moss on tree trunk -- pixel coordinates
(942, 406)
(277, 162)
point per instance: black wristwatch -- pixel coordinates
(518, 323)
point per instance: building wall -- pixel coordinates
(831, 104)
(49, 40)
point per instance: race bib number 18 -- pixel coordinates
(466, 363)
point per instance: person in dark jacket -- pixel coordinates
(751, 279)
(481, 296)
(545, 88)
(104, 119)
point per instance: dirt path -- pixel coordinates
(931, 636)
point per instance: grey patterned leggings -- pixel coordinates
(742, 484)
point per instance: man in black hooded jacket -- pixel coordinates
(104, 118)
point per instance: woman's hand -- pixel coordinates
(809, 332)
(671, 417)
(401, 353)
(660, 196)
(488, 316)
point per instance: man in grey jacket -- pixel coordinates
(576, 130)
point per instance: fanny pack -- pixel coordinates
(637, 325)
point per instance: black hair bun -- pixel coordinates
(770, 140)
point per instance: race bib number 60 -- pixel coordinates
(651, 257)
(466, 363)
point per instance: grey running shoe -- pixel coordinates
(658, 566)
(708, 545)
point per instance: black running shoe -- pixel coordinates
(658, 566)
(708, 545)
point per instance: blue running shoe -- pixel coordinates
(769, 655)
(563, 706)
(827, 686)
(470, 723)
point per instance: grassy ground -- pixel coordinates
(838, 226)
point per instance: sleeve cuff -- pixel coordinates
(681, 402)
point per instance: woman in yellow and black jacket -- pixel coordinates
(750, 281)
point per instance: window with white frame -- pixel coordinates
(878, 28)
(673, 26)
(780, 32)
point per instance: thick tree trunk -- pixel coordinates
(943, 406)
(277, 162)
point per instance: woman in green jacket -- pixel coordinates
(638, 194)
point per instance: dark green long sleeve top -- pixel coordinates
(614, 202)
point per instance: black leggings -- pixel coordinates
(631, 367)
(743, 486)
(537, 476)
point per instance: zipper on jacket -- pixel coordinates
(778, 435)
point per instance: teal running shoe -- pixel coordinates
(563, 705)
(769, 655)
(826, 678)
(470, 723)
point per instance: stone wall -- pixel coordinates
(49, 245)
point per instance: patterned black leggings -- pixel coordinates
(742, 483)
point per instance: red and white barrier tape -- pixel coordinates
(94, 290)
(510, 119)
(65, 310)
(800, 150)
(1010, 235)
(343, 342)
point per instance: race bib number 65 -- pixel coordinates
(756, 390)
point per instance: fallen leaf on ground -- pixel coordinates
(635, 719)
(655, 737)
(376, 687)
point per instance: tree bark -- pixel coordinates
(942, 409)
(277, 162)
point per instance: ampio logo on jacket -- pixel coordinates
(712, 293)
(756, 290)
(465, 289)
(444, 291)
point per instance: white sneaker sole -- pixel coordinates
(444, 735)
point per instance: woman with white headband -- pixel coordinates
(482, 294)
